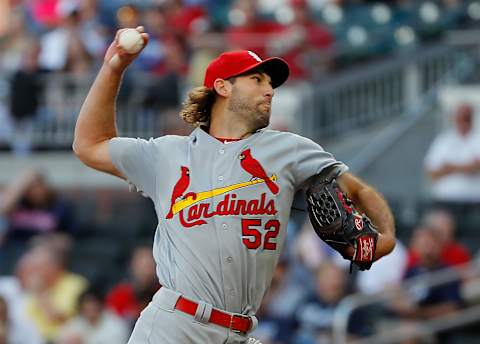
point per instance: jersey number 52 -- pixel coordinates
(252, 233)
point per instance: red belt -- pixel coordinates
(236, 322)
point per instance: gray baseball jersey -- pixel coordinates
(222, 208)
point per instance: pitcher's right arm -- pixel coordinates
(96, 121)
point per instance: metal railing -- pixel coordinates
(337, 104)
(63, 94)
(383, 90)
(420, 328)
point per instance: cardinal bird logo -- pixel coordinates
(179, 188)
(252, 166)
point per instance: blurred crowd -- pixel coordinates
(72, 35)
(44, 38)
(43, 299)
(48, 295)
(44, 302)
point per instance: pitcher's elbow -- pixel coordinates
(79, 151)
(76, 149)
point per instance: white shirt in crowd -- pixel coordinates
(109, 329)
(21, 329)
(452, 148)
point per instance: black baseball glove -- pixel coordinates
(339, 224)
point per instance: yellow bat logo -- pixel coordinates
(203, 195)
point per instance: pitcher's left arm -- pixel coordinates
(367, 200)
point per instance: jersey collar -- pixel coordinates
(201, 135)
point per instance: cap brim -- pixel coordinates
(276, 67)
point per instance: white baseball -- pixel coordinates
(131, 41)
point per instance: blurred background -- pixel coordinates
(391, 88)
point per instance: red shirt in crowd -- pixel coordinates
(124, 300)
(453, 254)
(252, 37)
(316, 38)
(183, 20)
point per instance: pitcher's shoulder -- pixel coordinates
(170, 139)
(284, 135)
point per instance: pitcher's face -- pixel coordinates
(251, 99)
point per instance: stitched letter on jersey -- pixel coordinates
(193, 212)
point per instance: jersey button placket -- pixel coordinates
(219, 170)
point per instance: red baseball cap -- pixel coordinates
(234, 63)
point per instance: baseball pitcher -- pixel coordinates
(223, 196)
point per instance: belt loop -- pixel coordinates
(166, 299)
(204, 310)
(254, 320)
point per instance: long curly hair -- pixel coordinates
(198, 106)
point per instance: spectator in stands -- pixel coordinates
(56, 241)
(13, 289)
(128, 16)
(16, 41)
(184, 18)
(44, 13)
(315, 314)
(30, 206)
(93, 32)
(430, 301)
(25, 93)
(453, 161)
(165, 95)
(64, 48)
(93, 324)
(424, 301)
(165, 61)
(443, 224)
(129, 297)
(304, 44)
(4, 326)
(53, 291)
(205, 47)
(275, 315)
(4, 15)
(205, 43)
(248, 31)
(155, 22)
(414, 249)
(165, 58)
